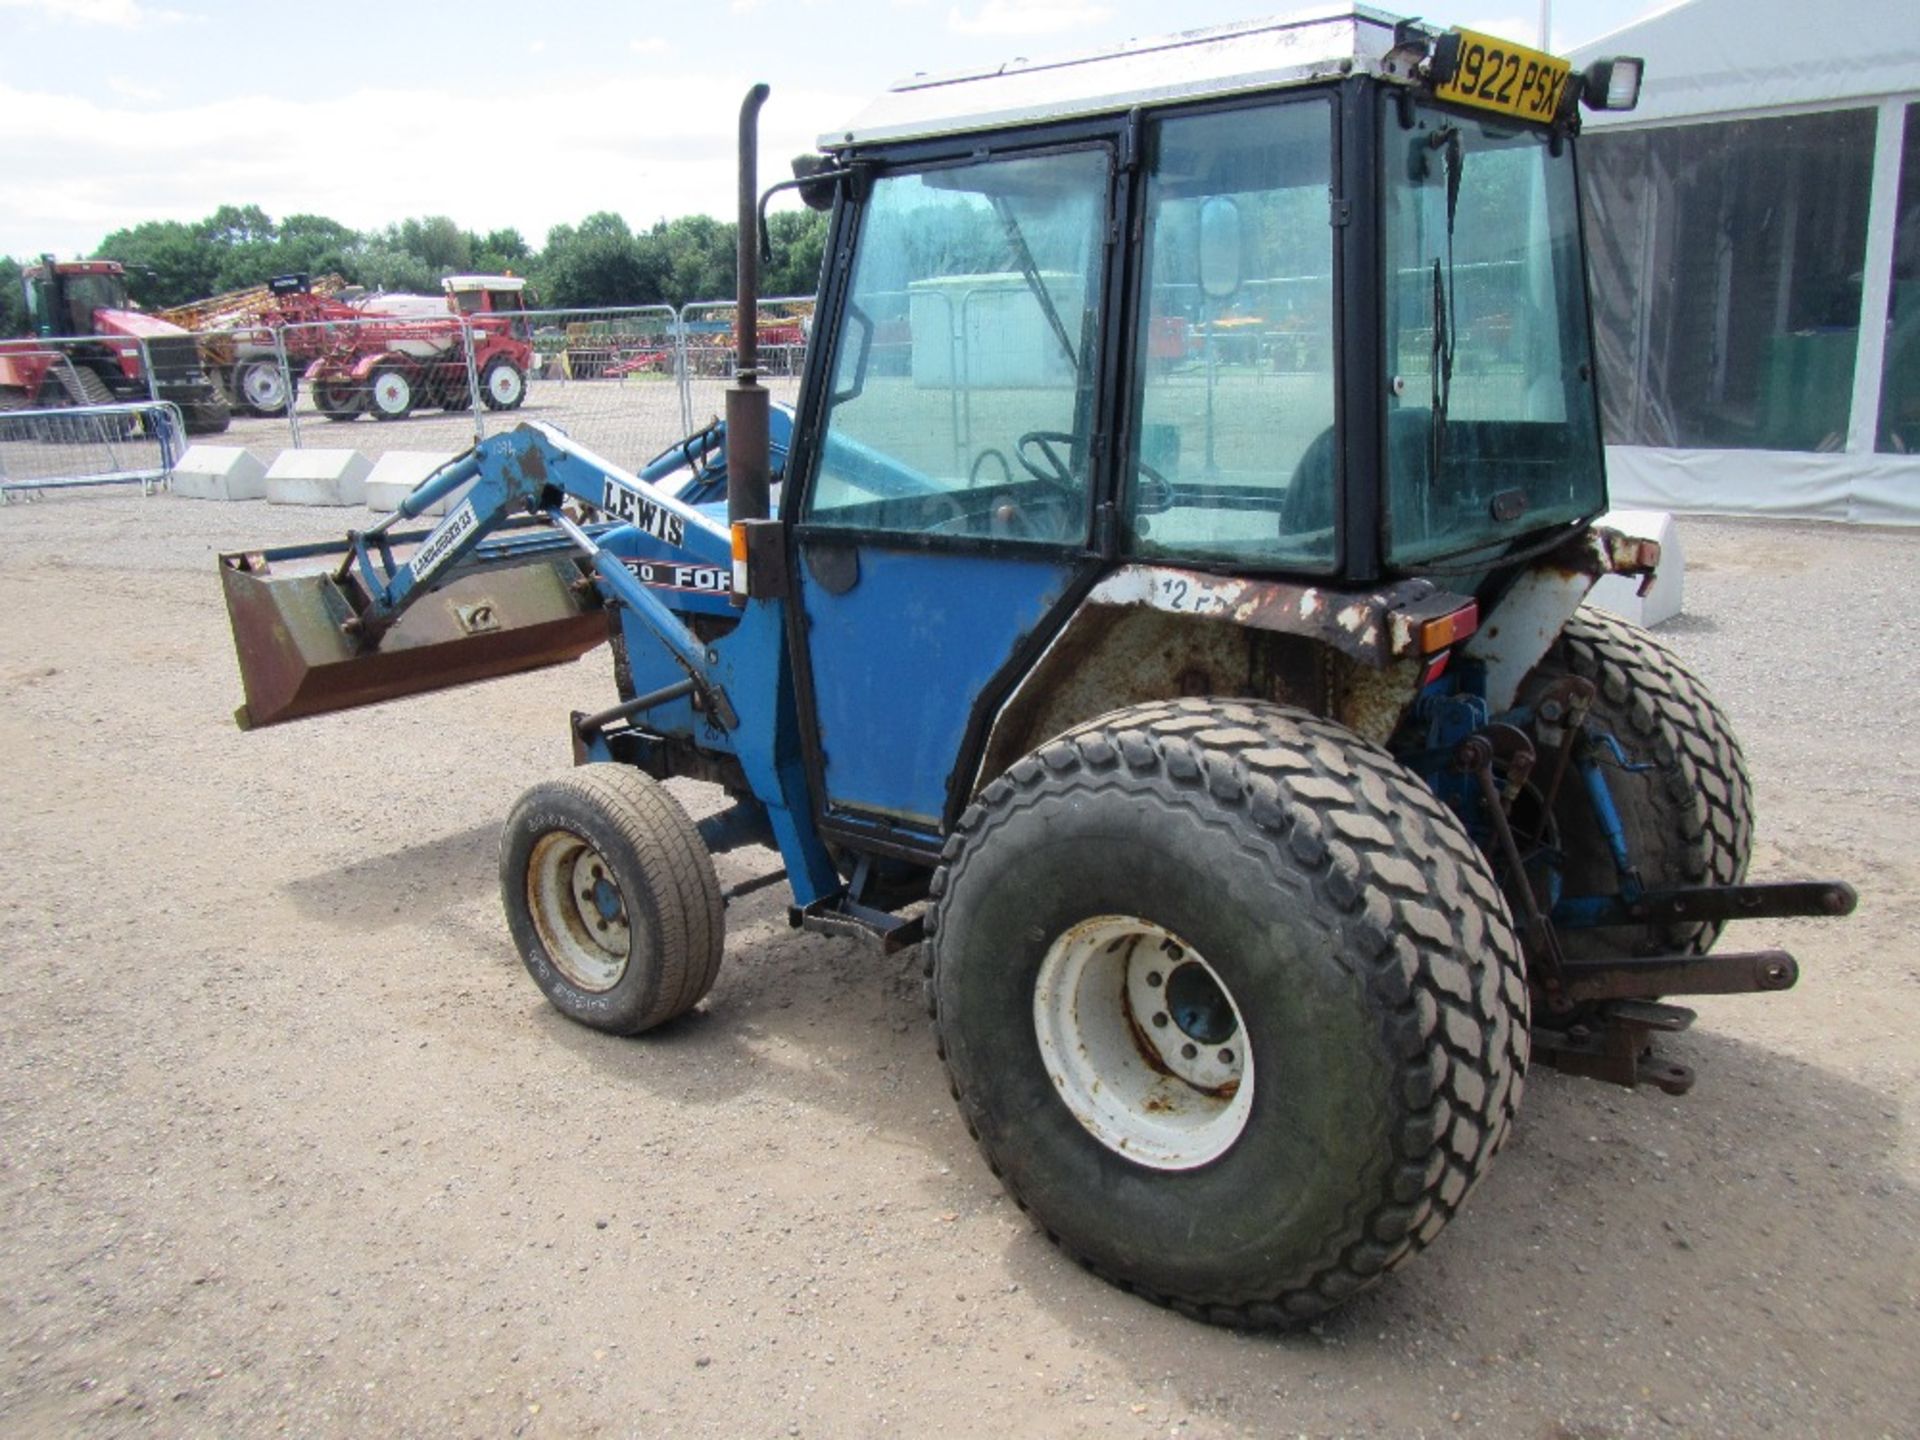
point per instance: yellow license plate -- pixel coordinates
(1499, 75)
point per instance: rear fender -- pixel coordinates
(1150, 632)
(1521, 624)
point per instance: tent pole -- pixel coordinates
(1877, 286)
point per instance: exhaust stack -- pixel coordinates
(748, 461)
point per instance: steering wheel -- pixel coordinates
(1054, 471)
(1155, 496)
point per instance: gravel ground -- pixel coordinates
(289, 1143)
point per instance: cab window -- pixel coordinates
(1232, 449)
(962, 396)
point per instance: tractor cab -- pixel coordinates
(63, 298)
(1311, 311)
(1306, 306)
(476, 295)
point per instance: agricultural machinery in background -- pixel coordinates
(1272, 793)
(388, 366)
(382, 354)
(88, 298)
(237, 334)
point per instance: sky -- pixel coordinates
(521, 114)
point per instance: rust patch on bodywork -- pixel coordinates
(1150, 632)
(1372, 626)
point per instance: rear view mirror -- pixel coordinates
(1219, 247)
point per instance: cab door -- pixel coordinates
(946, 521)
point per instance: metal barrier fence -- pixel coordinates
(626, 381)
(81, 410)
(786, 324)
(613, 379)
(72, 447)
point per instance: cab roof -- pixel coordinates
(1322, 43)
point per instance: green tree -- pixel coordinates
(799, 242)
(316, 245)
(13, 305)
(442, 245)
(238, 225)
(168, 263)
(699, 259)
(380, 266)
(596, 263)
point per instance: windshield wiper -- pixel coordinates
(1447, 139)
(1030, 272)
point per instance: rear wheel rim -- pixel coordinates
(578, 911)
(1143, 1042)
(261, 387)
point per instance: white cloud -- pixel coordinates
(650, 45)
(534, 47)
(133, 90)
(81, 166)
(1026, 17)
(121, 14)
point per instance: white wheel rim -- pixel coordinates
(261, 386)
(1144, 1042)
(391, 393)
(578, 911)
(504, 384)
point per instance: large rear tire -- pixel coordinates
(1689, 818)
(211, 416)
(612, 899)
(1230, 1002)
(339, 399)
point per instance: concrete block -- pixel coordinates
(318, 477)
(218, 472)
(1618, 595)
(398, 473)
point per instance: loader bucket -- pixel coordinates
(297, 661)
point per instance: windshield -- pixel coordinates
(963, 381)
(88, 293)
(1233, 364)
(1492, 429)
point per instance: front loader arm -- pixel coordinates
(513, 576)
(532, 470)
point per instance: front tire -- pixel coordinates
(503, 386)
(612, 899)
(1688, 819)
(1324, 938)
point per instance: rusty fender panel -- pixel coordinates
(1372, 626)
(296, 661)
(1151, 632)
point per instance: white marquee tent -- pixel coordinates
(1755, 232)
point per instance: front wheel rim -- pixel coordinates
(1143, 1042)
(504, 384)
(578, 911)
(391, 394)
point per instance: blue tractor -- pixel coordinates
(1172, 621)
